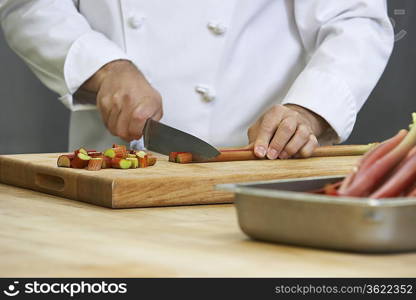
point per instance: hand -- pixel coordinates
(125, 99)
(285, 131)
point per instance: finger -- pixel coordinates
(104, 107)
(249, 146)
(122, 127)
(266, 131)
(284, 133)
(252, 133)
(308, 149)
(138, 119)
(112, 121)
(158, 115)
(298, 140)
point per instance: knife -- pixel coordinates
(164, 139)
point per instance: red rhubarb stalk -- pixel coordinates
(382, 149)
(331, 189)
(372, 156)
(367, 180)
(412, 191)
(399, 181)
(347, 181)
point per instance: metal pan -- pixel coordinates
(281, 211)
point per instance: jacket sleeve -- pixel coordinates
(347, 45)
(57, 43)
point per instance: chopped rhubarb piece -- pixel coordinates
(332, 189)
(142, 160)
(184, 158)
(134, 162)
(106, 163)
(80, 161)
(95, 154)
(141, 154)
(151, 160)
(65, 160)
(120, 152)
(120, 163)
(172, 156)
(95, 164)
(110, 153)
(81, 150)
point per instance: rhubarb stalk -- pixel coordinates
(367, 180)
(400, 180)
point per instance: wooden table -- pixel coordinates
(43, 235)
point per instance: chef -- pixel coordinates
(280, 75)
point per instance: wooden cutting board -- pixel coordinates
(164, 184)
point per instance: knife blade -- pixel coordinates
(164, 139)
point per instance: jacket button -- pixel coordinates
(207, 94)
(217, 28)
(135, 22)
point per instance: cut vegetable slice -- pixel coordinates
(65, 160)
(95, 154)
(95, 164)
(141, 154)
(121, 152)
(80, 161)
(106, 163)
(151, 161)
(81, 150)
(134, 162)
(172, 156)
(110, 153)
(120, 163)
(184, 158)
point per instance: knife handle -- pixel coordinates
(323, 151)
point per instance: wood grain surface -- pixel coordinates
(48, 236)
(164, 184)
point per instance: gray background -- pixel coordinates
(33, 120)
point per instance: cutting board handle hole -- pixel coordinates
(50, 182)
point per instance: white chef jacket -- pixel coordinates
(218, 64)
